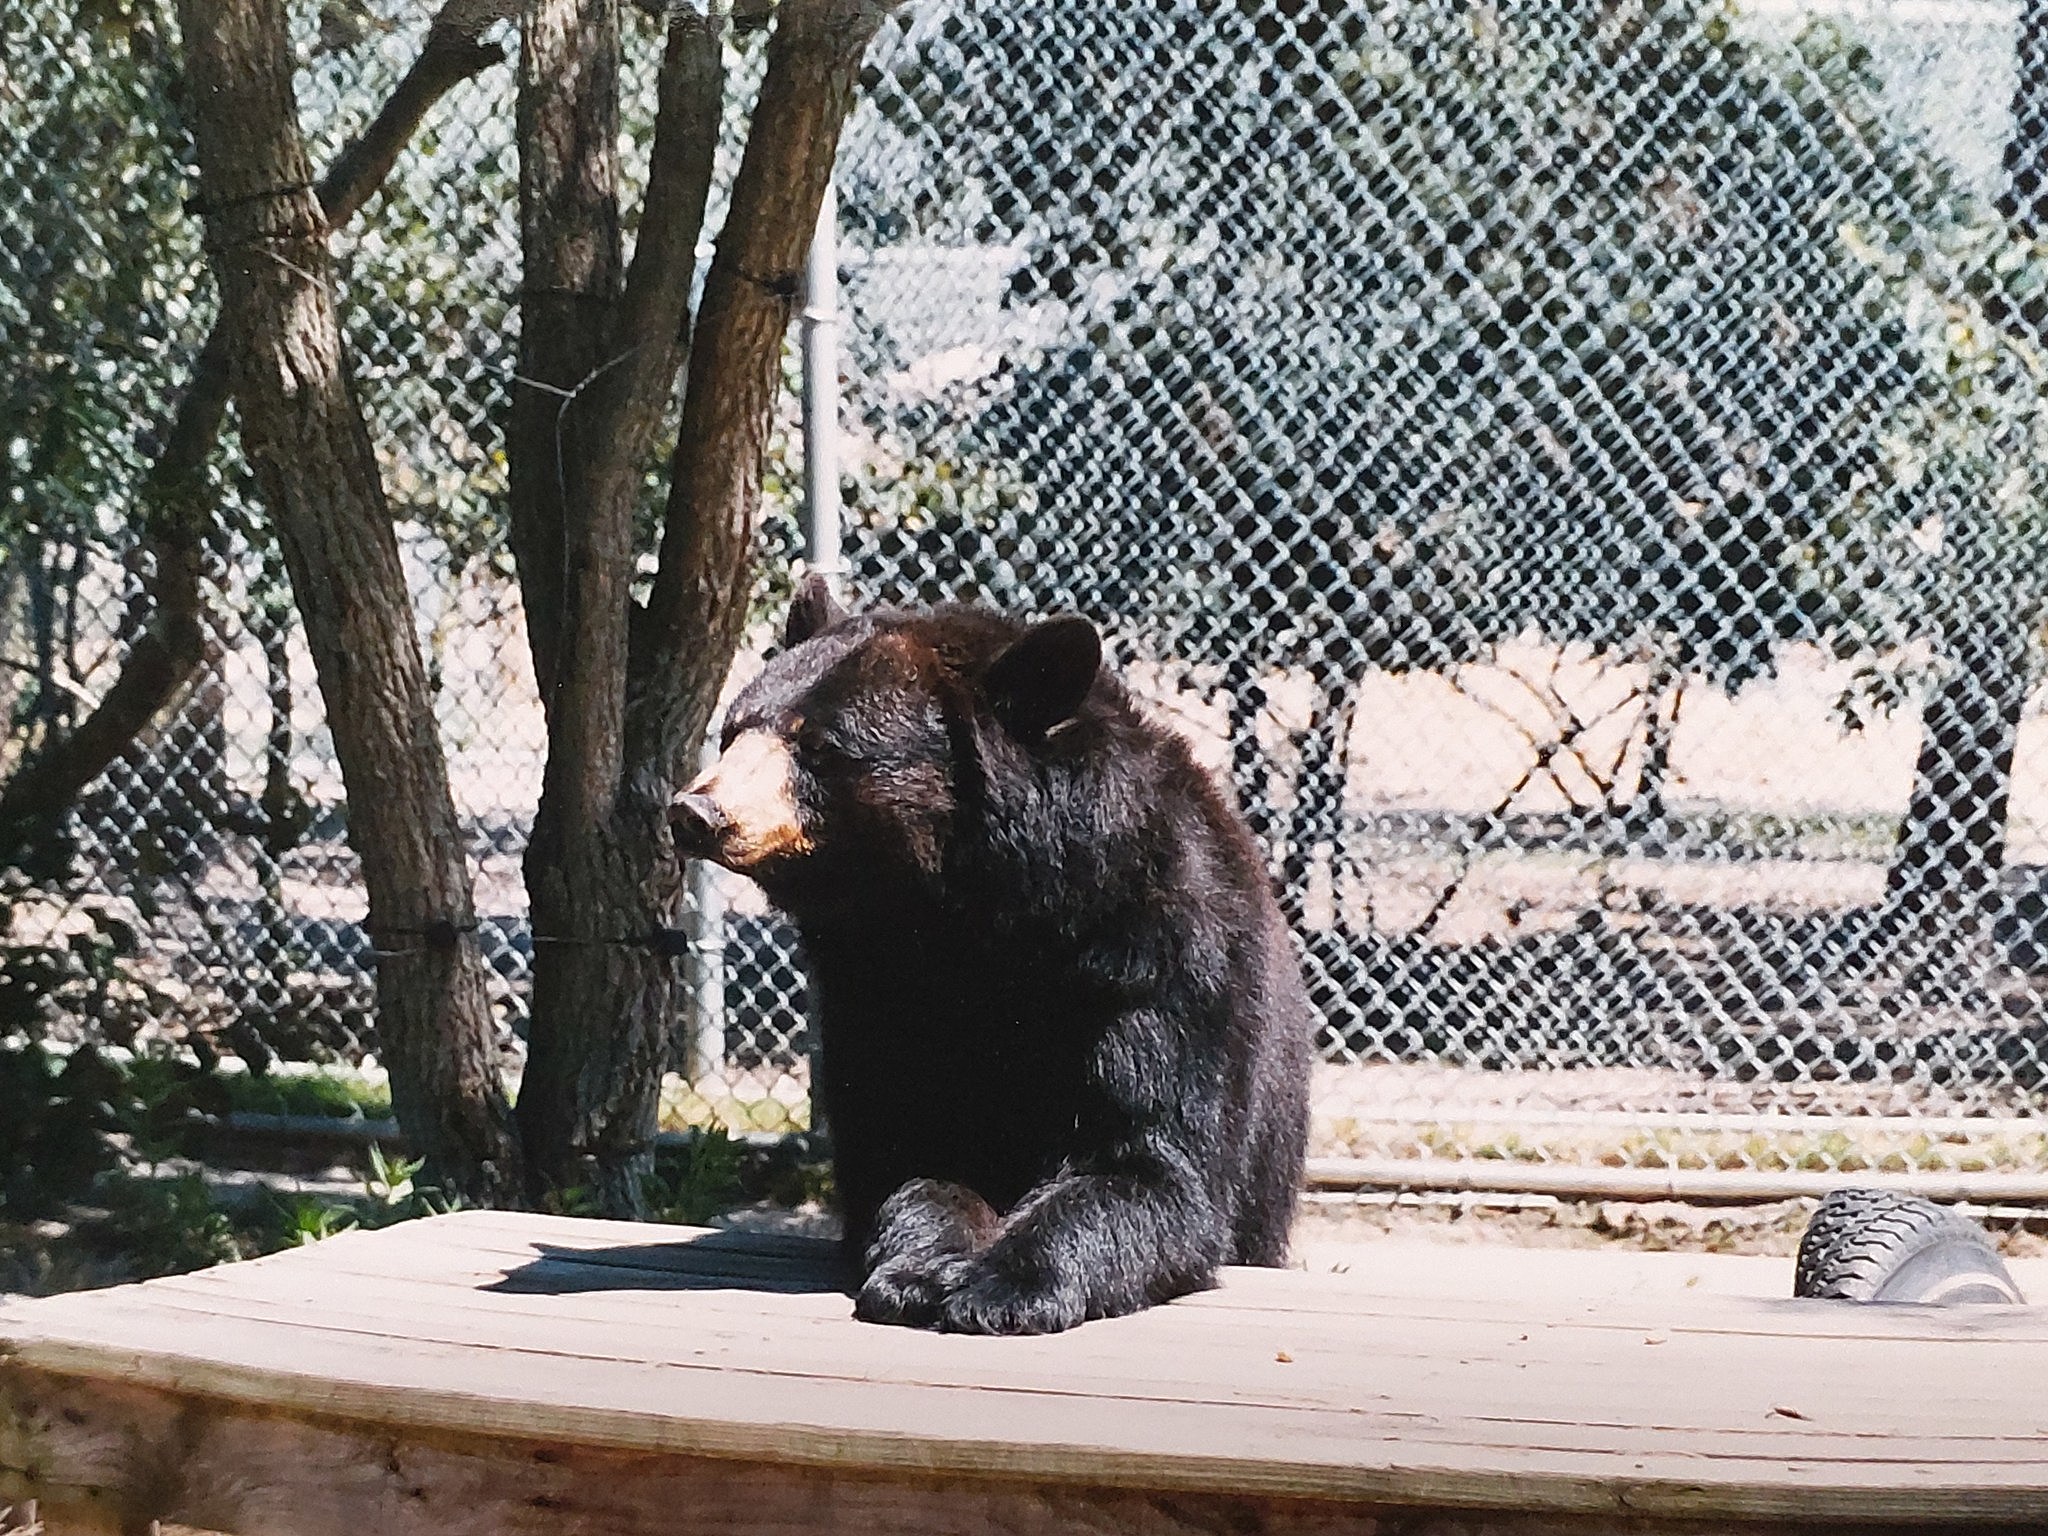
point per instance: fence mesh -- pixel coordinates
(1575, 469)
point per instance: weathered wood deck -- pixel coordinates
(499, 1373)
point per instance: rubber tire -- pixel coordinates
(1872, 1245)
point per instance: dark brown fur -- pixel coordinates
(1065, 1039)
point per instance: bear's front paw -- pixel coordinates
(905, 1292)
(993, 1302)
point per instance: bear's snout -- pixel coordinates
(697, 824)
(743, 813)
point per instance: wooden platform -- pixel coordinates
(497, 1373)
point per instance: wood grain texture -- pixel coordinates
(491, 1350)
(243, 1472)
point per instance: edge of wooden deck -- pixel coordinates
(791, 1419)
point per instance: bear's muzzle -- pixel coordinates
(743, 812)
(697, 824)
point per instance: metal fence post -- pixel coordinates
(704, 968)
(822, 553)
(820, 340)
(820, 336)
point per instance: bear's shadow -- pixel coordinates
(723, 1261)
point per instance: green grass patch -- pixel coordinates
(325, 1095)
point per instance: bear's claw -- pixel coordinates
(909, 1292)
(996, 1304)
(899, 1294)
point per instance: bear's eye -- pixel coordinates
(811, 739)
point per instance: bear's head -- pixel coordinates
(845, 764)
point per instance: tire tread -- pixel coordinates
(1858, 1237)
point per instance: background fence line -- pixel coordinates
(1576, 471)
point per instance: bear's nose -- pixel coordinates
(697, 824)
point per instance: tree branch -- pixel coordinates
(177, 506)
(698, 606)
(654, 314)
(570, 250)
(612, 423)
(177, 495)
(454, 51)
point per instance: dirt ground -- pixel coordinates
(242, 1206)
(1542, 1221)
(1536, 1221)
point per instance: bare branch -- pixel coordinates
(454, 51)
(654, 315)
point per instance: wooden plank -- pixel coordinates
(1426, 1368)
(433, 1254)
(822, 1422)
(1458, 1276)
(1269, 1291)
(1573, 1416)
(266, 1476)
(1394, 1335)
(1343, 1364)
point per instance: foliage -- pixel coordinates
(1976, 438)
(98, 291)
(76, 978)
(696, 1180)
(69, 1120)
(1451, 323)
(169, 1226)
(326, 1095)
(391, 1194)
(306, 1219)
(71, 1111)
(395, 1193)
(58, 1122)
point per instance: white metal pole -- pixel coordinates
(822, 549)
(704, 970)
(820, 340)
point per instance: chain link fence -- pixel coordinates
(1576, 469)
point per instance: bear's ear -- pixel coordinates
(811, 612)
(1044, 676)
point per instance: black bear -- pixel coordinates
(1064, 1034)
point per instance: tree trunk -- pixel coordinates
(568, 128)
(602, 874)
(1951, 846)
(600, 348)
(305, 439)
(607, 913)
